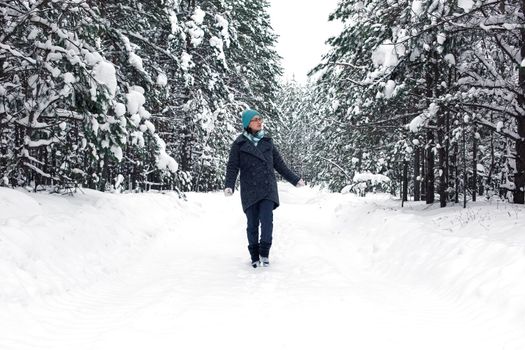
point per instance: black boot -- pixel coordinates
(264, 251)
(254, 254)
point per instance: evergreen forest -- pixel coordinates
(424, 99)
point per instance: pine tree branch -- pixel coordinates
(489, 68)
(43, 107)
(397, 117)
(40, 171)
(360, 126)
(348, 64)
(337, 165)
(447, 20)
(8, 5)
(478, 82)
(149, 43)
(506, 50)
(16, 53)
(131, 34)
(24, 16)
(502, 131)
(491, 108)
(64, 113)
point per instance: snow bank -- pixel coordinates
(123, 270)
(472, 255)
(51, 244)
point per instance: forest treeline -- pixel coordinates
(129, 94)
(428, 93)
(424, 99)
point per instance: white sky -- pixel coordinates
(303, 28)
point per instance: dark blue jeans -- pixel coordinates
(261, 213)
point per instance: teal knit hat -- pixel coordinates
(247, 117)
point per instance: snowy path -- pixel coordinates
(194, 289)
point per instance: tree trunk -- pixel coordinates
(441, 160)
(456, 172)
(489, 182)
(519, 176)
(447, 155)
(405, 180)
(417, 181)
(432, 75)
(464, 168)
(423, 172)
(186, 155)
(430, 168)
(474, 167)
(104, 174)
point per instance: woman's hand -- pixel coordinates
(228, 192)
(300, 183)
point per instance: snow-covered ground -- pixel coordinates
(152, 271)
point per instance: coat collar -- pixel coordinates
(248, 147)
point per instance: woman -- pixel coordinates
(255, 156)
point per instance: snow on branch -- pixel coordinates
(64, 113)
(448, 20)
(164, 160)
(512, 53)
(16, 53)
(373, 178)
(39, 171)
(363, 182)
(149, 43)
(475, 80)
(46, 142)
(500, 130)
(348, 64)
(337, 165)
(33, 159)
(490, 68)
(422, 119)
(492, 108)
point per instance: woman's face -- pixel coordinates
(256, 124)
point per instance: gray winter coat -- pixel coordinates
(256, 165)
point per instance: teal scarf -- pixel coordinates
(254, 138)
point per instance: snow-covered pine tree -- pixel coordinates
(491, 78)
(479, 81)
(425, 65)
(358, 78)
(331, 154)
(228, 63)
(296, 126)
(89, 89)
(255, 64)
(139, 33)
(71, 108)
(201, 100)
